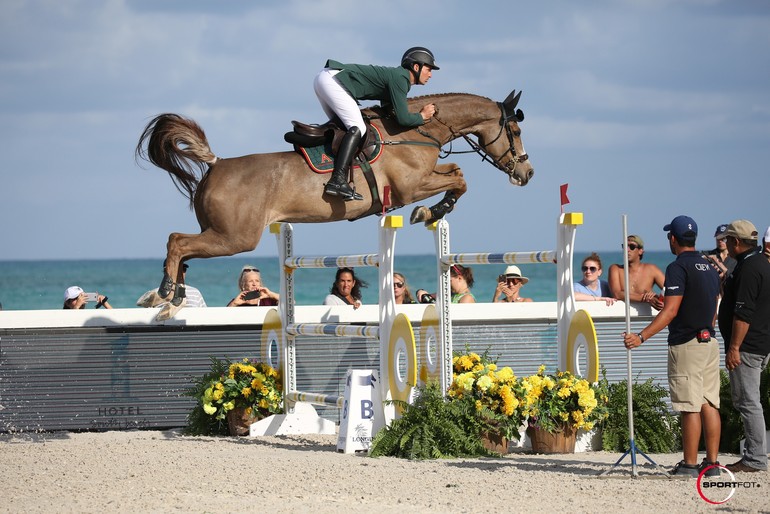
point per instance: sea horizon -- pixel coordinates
(40, 283)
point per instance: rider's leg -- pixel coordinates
(338, 185)
(335, 100)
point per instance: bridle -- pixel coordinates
(506, 117)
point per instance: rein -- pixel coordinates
(481, 150)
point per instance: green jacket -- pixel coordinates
(386, 84)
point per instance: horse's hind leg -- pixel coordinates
(182, 247)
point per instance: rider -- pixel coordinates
(340, 86)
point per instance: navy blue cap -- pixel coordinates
(683, 227)
(720, 230)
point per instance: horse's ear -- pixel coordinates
(519, 115)
(511, 101)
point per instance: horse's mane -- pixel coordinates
(422, 98)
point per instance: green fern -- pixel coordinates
(433, 428)
(656, 429)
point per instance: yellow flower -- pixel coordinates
(209, 409)
(484, 383)
(228, 406)
(246, 392)
(478, 404)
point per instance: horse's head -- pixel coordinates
(501, 143)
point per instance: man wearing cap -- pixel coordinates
(692, 289)
(509, 286)
(643, 277)
(720, 257)
(744, 320)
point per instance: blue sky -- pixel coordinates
(649, 108)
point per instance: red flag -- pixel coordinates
(564, 199)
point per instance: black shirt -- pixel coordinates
(747, 297)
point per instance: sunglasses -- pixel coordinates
(398, 284)
(632, 246)
(249, 270)
(593, 269)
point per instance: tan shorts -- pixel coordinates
(693, 375)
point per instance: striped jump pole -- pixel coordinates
(562, 257)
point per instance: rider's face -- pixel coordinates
(425, 74)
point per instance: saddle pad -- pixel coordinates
(321, 160)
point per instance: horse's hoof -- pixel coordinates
(169, 310)
(149, 299)
(420, 213)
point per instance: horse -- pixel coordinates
(234, 199)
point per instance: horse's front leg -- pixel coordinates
(448, 178)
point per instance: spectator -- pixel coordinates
(744, 320)
(193, 297)
(692, 290)
(766, 243)
(642, 276)
(720, 257)
(401, 289)
(253, 293)
(461, 281)
(76, 298)
(591, 287)
(509, 286)
(346, 289)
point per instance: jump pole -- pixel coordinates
(565, 299)
(632, 449)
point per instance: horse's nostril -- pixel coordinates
(531, 172)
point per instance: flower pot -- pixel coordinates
(561, 441)
(495, 442)
(239, 420)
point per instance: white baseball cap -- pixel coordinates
(72, 292)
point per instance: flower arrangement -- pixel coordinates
(253, 386)
(247, 385)
(556, 402)
(494, 391)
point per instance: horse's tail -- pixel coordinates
(179, 146)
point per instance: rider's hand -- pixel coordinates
(428, 111)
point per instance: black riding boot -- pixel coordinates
(338, 185)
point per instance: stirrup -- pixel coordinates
(344, 190)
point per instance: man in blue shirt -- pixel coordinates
(691, 292)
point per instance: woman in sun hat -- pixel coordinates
(509, 286)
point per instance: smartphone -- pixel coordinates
(91, 297)
(251, 295)
(501, 278)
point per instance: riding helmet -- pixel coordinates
(418, 55)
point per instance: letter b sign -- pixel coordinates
(367, 410)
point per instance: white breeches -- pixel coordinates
(335, 100)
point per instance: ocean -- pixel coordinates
(30, 285)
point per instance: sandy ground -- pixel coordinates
(164, 471)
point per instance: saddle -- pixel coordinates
(320, 143)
